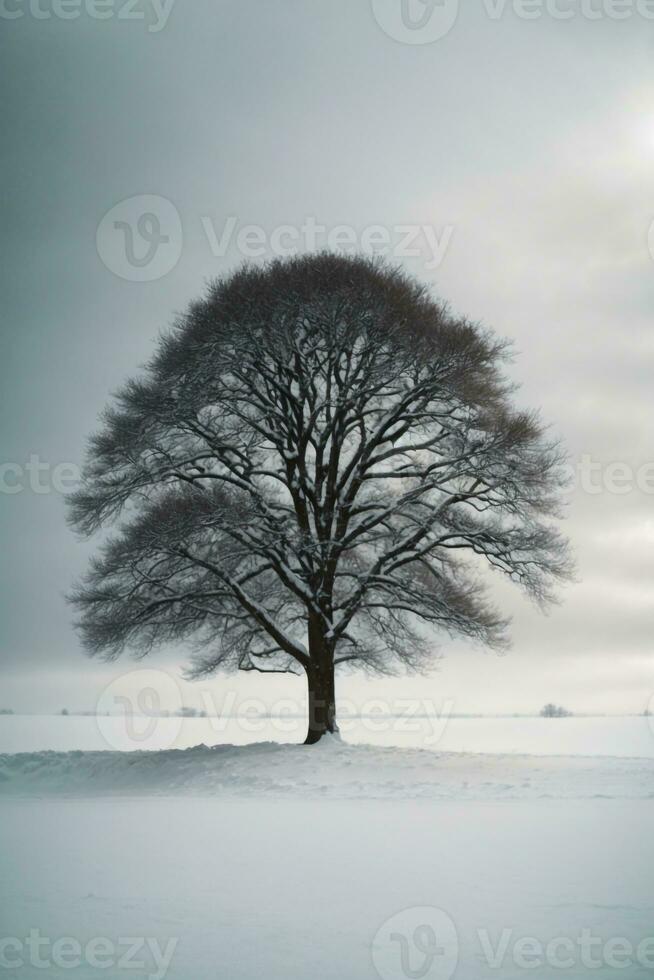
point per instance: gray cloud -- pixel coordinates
(533, 140)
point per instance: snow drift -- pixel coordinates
(332, 769)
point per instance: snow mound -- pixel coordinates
(332, 769)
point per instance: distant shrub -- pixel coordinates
(555, 711)
(6, 711)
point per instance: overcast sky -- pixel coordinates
(519, 153)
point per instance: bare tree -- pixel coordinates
(305, 477)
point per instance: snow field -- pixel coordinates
(292, 889)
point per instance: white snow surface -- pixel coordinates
(234, 862)
(296, 889)
(332, 769)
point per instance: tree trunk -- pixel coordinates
(322, 703)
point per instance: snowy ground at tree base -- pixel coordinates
(332, 769)
(336, 862)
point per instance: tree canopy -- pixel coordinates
(309, 473)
